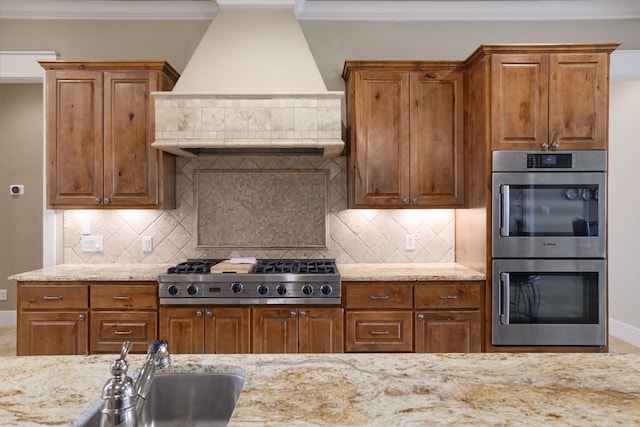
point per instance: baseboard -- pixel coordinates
(624, 332)
(8, 318)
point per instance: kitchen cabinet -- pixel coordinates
(52, 320)
(100, 126)
(297, 330)
(210, 330)
(122, 312)
(405, 130)
(448, 317)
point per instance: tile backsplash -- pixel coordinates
(354, 235)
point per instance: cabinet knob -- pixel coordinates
(415, 200)
(106, 200)
(97, 200)
(555, 145)
(80, 316)
(545, 146)
(421, 316)
(199, 313)
(293, 314)
(405, 200)
(303, 313)
(209, 313)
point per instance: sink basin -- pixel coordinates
(193, 399)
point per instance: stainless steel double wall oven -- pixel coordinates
(549, 248)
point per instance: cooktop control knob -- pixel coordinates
(263, 289)
(236, 287)
(307, 289)
(173, 290)
(326, 289)
(281, 289)
(192, 290)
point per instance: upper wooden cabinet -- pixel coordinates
(100, 126)
(549, 97)
(405, 127)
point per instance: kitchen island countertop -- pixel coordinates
(349, 272)
(360, 389)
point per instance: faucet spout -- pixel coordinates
(157, 358)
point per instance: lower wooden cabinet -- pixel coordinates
(198, 330)
(110, 328)
(379, 331)
(52, 333)
(447, 332)
(297, 330)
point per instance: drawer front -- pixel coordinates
(379, 295)
(124, 296)
(379, 331)
(53, 297)
(448, 295)
(109, 329)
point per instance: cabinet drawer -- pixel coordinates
(109, 329)
(381, 331)
(379, 295)
(54, 297)
(124, 296)
(448, 295)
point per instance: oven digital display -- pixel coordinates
(548, 160)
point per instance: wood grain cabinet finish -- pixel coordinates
(405, 127)
(100, 126)
(379, 331)
(206, 330)
(556, 101)
(297, 330)
(52, 320)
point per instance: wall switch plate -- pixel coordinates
(3, 294)
(410, 242)
(147, 243)
(92, 244)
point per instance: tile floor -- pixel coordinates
(8, 343)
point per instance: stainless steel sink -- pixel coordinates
(188, 399)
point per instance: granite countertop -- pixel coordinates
(349, 272)
(496, 389)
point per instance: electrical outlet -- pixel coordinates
(3, 294)
(147, 243)
(92, 244)
(410, 242)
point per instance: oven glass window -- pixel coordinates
(552, 210)
(553, 298)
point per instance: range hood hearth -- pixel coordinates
(251, 88)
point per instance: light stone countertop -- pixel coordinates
(525, 389)
(349, 272)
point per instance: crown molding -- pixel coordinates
(330, 10)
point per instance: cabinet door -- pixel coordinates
(437, 136)
(578, 101)
(183, 329)
(520, 104)
(227, 330)
(447, 332)
(320, 330)
(110, 328)
(379, 151)
(52, 333)
(130, 164)
(275, 330)
(74, 138)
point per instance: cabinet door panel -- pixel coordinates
(448, 332)
(437, 138)
(74, 133)
(379, 158)
(183, 329)
(379, 331)
(578, 100)
(130, 164)
(52, 333)
(520, 105)
(275, 330)
(320, 330)
(227, 330)
(109, 329)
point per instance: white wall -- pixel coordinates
(624, 208)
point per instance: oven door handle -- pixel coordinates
(505, 285)
(504, 210)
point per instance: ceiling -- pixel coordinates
(356, 10)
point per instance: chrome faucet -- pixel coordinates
(124, 399)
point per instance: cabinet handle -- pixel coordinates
(303, 313)
(122, 332)
(415, 200)
(97, 200)
(52, 297)
(80, 316)
(122, 297)
(545, 146)
(209, 314)
(420, 316)
(448, 296)
(405, 200)
(293, 314)
(555, 145)
(106, 200)
(199, 313)
(430, 75)
(377, 297)
(379, 332)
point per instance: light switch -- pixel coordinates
(410, 242)
(92, 244)
(147, 243)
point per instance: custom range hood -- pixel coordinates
(251, 87)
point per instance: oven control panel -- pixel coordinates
(550, 160)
